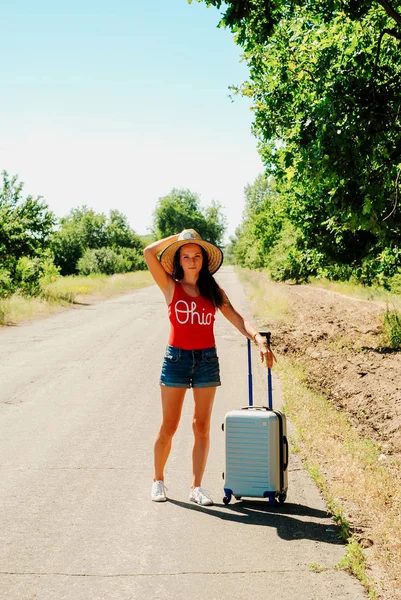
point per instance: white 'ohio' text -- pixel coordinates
(187, 314)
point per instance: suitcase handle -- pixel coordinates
(255, 408)
(267, 335)
(285, 462)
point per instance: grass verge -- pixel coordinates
(265, 295)
(72, 287)
(362, 491)
(392, 328)
(68, 290)
(344, 467)
(357, 290)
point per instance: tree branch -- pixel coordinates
(397, 189)
(390, 11)
(310, 74)
(395, 34)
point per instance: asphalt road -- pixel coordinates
(79, 410)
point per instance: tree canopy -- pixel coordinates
(26, 225)
(324, 83)
(181, 209)
(254, 21)
(83, 229)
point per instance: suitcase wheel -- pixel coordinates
(282, 497)
(226, 499)
(238, 497)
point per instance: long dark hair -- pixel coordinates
(207, 284)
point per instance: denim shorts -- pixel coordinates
(190, 368)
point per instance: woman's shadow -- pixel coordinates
(288, 519)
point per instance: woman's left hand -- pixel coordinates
(266, 354)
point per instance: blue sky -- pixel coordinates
(112, 104)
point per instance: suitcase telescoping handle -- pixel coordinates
(267, 335)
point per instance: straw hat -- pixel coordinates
(190, 236)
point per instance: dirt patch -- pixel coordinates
(339, 338)
(338, 341)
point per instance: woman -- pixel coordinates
(184, 274)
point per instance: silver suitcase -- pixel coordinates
(256, 448)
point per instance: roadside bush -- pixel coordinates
(28, 273)
(101, 261)
(107, 261)
(50, 273)
(3, 314)
(381, 268)
(297, 265)
(337, 272)
(134, 259)
(33, 274)
(7, 286)
(30, 278)
(394, 284)
(392, 328)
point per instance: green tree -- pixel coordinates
(181, 209)
(261, 224)
(84, 229)
(324, 80)
(119, 234)
(254, 21)
(26, 225)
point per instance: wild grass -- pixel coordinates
(266, 296)
(354, 563)
(361, 487)
(67, 290)
(357, 290)
(18, 308)
(392, 328)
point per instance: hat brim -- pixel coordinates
(215, 255)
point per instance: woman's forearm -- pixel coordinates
(250, 331)
(243, 326)
(160, 245)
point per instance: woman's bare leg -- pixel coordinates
(203, 398)
(172, 401)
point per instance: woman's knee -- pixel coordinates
(201, 427)
(168, 428)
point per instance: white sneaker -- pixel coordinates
(200, 496)
(158, 491)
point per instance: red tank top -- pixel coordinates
(191, 321)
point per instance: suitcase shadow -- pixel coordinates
(292, 521)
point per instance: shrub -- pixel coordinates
(28, 272)
(7, 286)
(101, 261)
(392, 328)
(33, 274)
(50, 273)
(297, 265)
(134, 259)
(380, 268)
(394, 284)
(337, 272)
